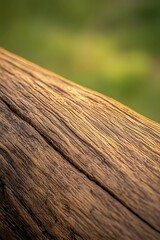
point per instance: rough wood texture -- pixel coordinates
(73, 163)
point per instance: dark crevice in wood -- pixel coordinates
(78, 168)
(34, 218)
(19, 199)
(51, 86)
(9, 159)
(29, 211)
(71, 84)
(18, 227)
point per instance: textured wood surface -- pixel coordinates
(73, 163)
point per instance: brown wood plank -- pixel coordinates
(74, 164)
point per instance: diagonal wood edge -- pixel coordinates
(114, 147)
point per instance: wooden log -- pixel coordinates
(73, 163)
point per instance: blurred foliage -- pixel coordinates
(109, 46)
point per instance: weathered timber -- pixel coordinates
(73, 163)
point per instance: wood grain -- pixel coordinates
(73, 163)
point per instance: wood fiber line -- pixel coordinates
(77, 167)
(25, 173)
(104, 144)
(89, 94)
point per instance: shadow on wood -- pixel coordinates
(73, 163)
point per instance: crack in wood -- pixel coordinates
(44, 231)
(91, 178)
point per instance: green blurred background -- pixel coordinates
(109, 46)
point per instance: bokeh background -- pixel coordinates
(109, 46)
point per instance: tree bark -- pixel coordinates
(73, 163)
